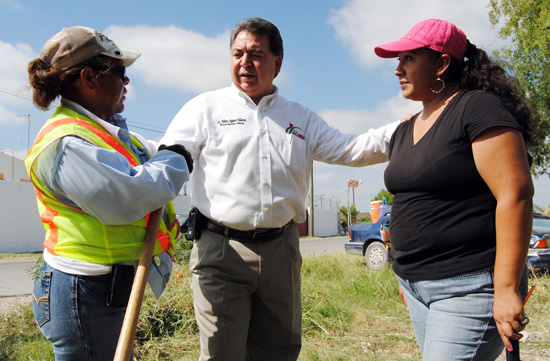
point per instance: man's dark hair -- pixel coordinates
(260, 26)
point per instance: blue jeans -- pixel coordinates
(453, 317)
(72, 313)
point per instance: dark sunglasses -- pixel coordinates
(119, 70)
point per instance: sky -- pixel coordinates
(329, 64)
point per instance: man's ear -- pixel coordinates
(278, 65)
(88, 78)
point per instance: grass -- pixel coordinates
(349, 313)
(19, 256)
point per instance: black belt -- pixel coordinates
(253, 235)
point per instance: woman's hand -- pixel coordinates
(501, 159)
(509, 316)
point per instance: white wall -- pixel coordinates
(21, 229)
(181, 206)
(11, 168)
(325, 223)
(20, 226)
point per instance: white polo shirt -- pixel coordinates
(253, 162)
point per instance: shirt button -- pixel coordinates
(266, 182)
(264, 156)
(263, 131)
(266, 209)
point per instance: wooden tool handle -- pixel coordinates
(129, 325)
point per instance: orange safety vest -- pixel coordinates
(71, 232)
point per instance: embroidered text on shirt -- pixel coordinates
(225, 122)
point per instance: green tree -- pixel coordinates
(384, 193)
(364, 219)
(353, 213)
(527, 24)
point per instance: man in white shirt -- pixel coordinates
(253, 151)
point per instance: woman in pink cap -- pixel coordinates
(462, 212)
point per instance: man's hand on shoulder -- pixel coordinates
(180, 149)
(407, 117)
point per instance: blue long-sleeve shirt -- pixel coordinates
(103, 184)
(101, 181)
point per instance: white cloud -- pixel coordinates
(332, 179)
(363, 24)
(359, 121)
(13, 64)
(7, 116)
(176, 58)
(11, 4)
(14, 88)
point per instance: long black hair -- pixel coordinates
(478, 71)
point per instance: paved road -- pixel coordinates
(329, 245)
(16, 282)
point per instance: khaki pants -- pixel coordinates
(247, 297)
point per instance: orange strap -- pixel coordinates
(47, 217)
(103, 135)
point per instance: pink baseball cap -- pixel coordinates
(435, 34)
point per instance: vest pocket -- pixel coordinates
(41, 297)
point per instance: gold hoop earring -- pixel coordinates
(442, 86)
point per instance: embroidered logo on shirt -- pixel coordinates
(226, 122)
(295, 131)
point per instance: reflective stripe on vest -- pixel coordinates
(115, 243)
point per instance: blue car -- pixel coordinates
(539, 253)
(365, 240)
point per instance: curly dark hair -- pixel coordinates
(49, 83)
(478, 71)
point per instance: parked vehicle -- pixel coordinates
(365, 240)
(539, 253)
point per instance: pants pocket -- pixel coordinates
(41, 297)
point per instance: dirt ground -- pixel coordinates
(7, 303)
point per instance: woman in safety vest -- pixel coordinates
(96, 184)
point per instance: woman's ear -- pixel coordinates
(88, 78)
(442, 64)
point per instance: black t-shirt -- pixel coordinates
(443, 213)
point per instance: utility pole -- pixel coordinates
(352, 184)
(312, 205)
(28, 116)
(349, 211)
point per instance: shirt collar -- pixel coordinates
(267, 100)
(113, 124)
